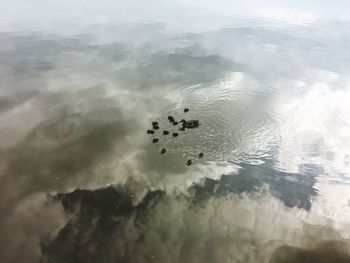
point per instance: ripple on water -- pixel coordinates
(235, 124)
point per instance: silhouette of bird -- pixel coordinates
(175, 123)
(186, 110)
(171, 118)
(154, 123)
(189, 162)
(175, 134)
(190, 124)
(200, 155)
(155, 140)
(150, 131)
(165, 132)
(156, 127)
(163, 151)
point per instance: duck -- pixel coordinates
(155, 140)
(154, 123)
(171, 118)
(189, 162)
(200, 155)
(175, 134)
(156, 127)
(165, 132)
(186, 110)
(190, 124)
(163, 151)
(150, 131)
(175, 123)
(183, 121)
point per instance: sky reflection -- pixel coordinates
(81, 83)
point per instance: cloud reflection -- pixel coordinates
(74, 112)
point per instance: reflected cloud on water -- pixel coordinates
(74, 153)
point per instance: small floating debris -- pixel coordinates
(189, 162)
(150, 131)
(165, 132)
(200, 155)
(163, 151)
(186, 110)
(175, 134)
(155, 140)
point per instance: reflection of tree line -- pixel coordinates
(293, 189)
(103, 213)
(106, 226)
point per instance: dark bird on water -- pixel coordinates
(186, 110)
(171, 118)
(163, 151)
(190, 124)
(156, 127)
(165, 132)
(154, 123)
(200, 155)
(189, 162)
(183, 125)
(155, 140)
(150, 131)
(175, 134)
(175, 123)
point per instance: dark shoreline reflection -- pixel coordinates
(293, 189)
(98, 230)
(106, 225)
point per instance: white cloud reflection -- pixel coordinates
(76, 100)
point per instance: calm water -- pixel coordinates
(81, 180)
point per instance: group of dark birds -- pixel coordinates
(185, 124)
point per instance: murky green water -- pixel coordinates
(81, 181)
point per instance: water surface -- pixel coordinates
(81, 180)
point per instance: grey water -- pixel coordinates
(81, 180)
